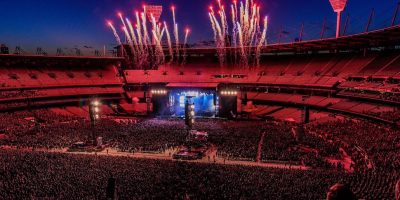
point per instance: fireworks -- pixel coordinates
(146, 39)
(115, 33)
(187, 31)
(246, 32)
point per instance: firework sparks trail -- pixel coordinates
(218, 37)
(130, 42)
(176, 32)
(139, 30)
(157, 37)
(115, 33)
(213, 26)
(246, 31)
(137, 50)
(170, 50)
(127, 34)
(147, 45)
(262, 41)
(187, 31)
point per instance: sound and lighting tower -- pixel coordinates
(189, 112)
(94, 114)
(338, 6)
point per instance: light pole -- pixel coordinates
(338, 6)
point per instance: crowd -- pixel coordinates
(374, 150)
(374, 94)
(17, 94)
(39, 175)
(234, 140)
(371, 145)
(45, 129)
(83, 177)
(393, 116)
(284, 142)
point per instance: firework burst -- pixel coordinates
(145, 39)
(246, 37)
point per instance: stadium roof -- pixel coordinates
(378, 38)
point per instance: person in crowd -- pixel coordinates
(340, 192)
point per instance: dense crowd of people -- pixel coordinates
(393, 116)
(371, 145)
(374, 94)
(57, 176)
(17, 94)
(40, 175)
(284, 142)
(374, 150)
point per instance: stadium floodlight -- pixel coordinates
(153, 11)
(338, 6)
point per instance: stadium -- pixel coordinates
(247, 115)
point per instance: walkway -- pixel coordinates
(259, 149)
(167, 155)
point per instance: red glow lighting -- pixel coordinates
(338, 5)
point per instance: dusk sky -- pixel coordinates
(68, 23)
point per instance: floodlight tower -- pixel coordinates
(338, 6)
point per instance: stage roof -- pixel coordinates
(192, 85)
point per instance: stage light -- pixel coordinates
(192, 113)
(182, 101)
(97, 116)
(96, 103)
(96, 109)
(192, 106)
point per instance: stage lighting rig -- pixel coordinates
(159, 92)
(189, 114)
(229, 93)
(94, 111)
(94, 114)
